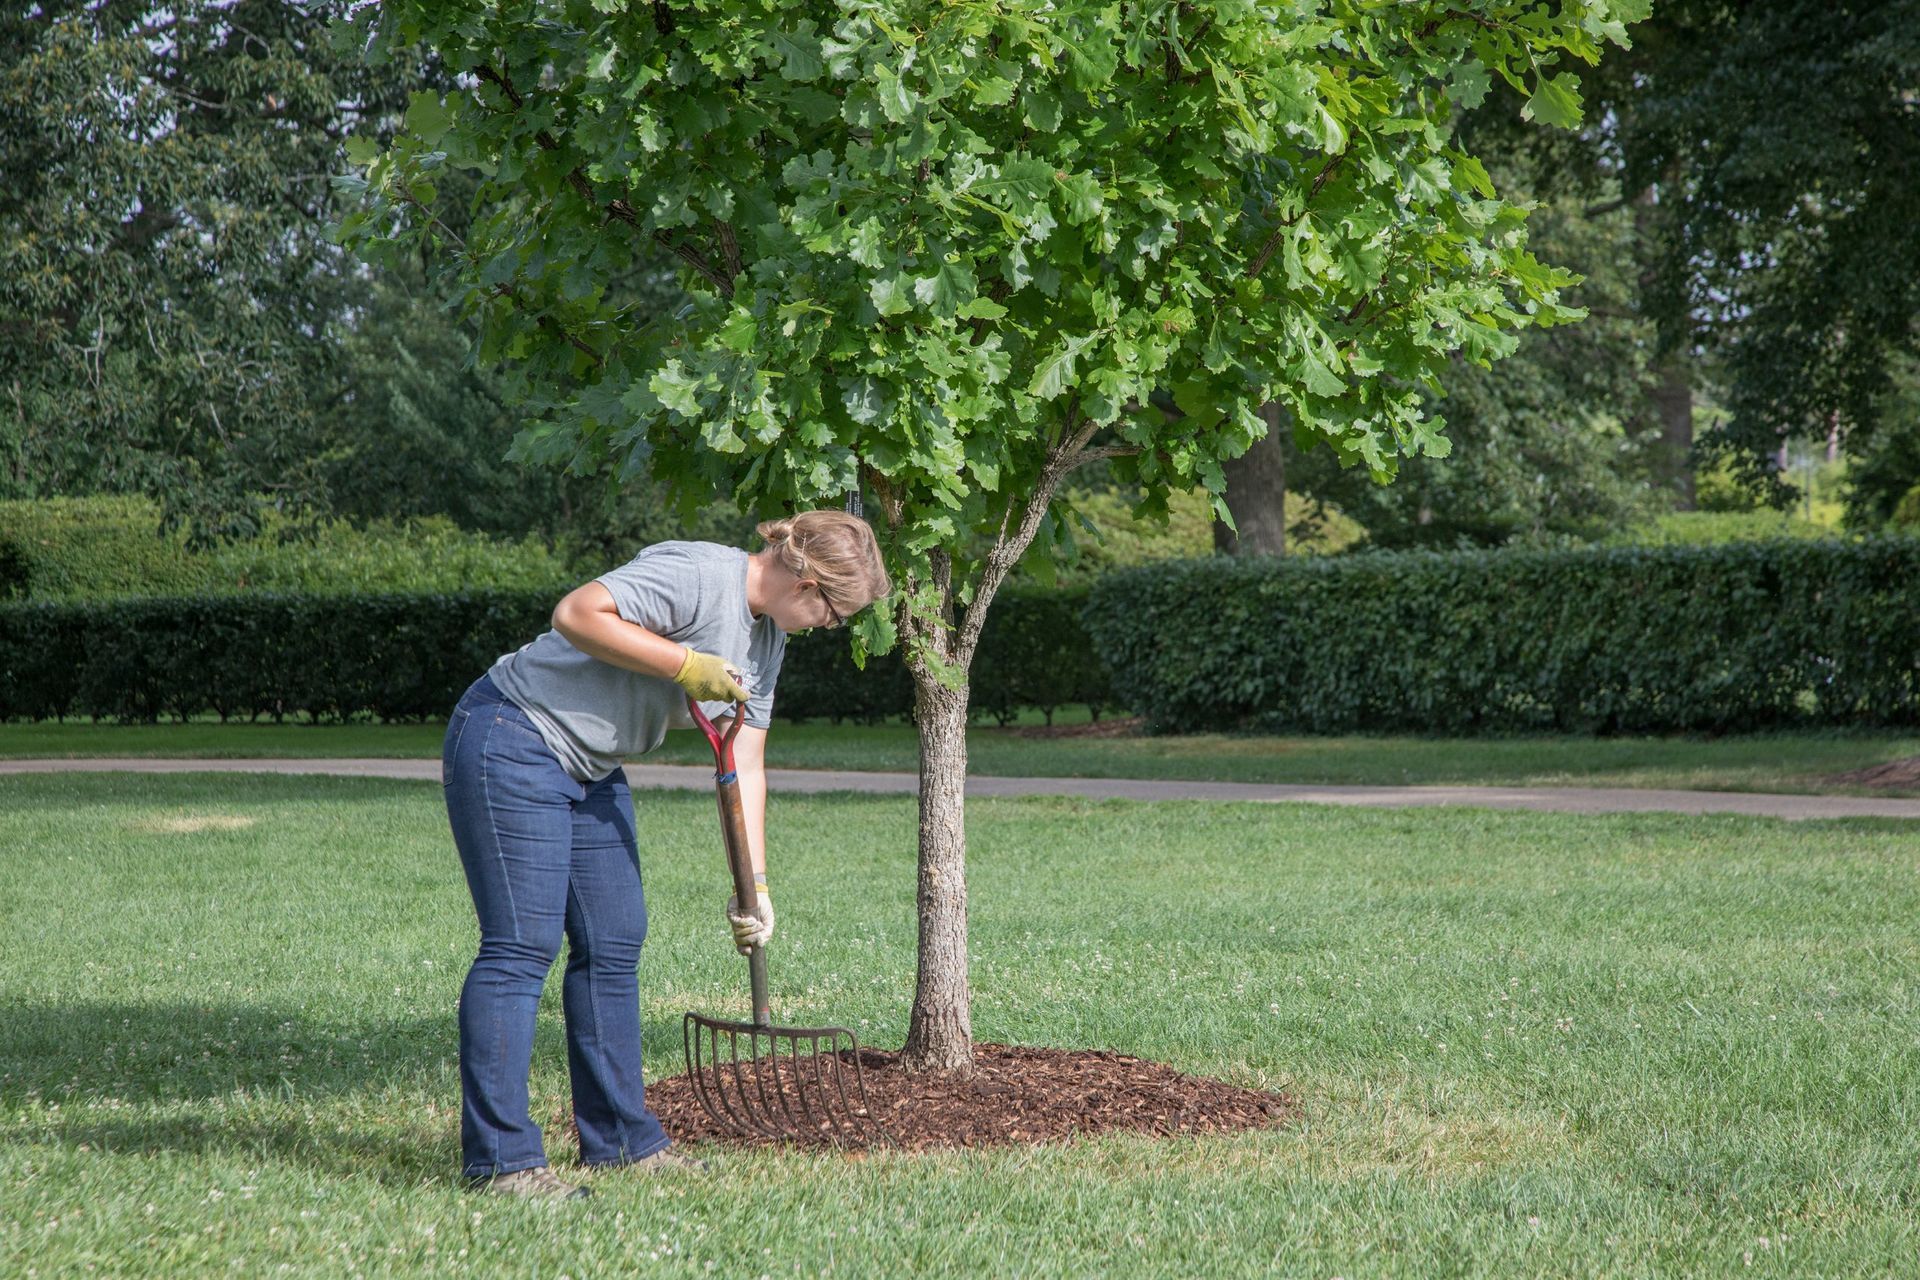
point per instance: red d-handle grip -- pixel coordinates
(722, 743)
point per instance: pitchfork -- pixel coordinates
(783, 1093)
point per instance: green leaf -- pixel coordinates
(890, 295)
(947, 288)
(867, 400)
(896, 100)
(362, 151)
(799, 52)
(1082, 192)
(740, 332)
(1040, 108)
(867, 244)
(1556, 101)
(1054, 373)
(1318, 378)
(1470, 171)
(1014, 269)
(677, 389)
(1468, 83)
(428, 119)
(982, 309)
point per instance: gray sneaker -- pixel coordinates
(668, 1160)
(530, 1184)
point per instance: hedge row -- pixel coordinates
(408, 656)
(1646, 639)
(1651, 639)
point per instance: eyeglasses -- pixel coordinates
(831, 611)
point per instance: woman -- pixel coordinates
(544, 824)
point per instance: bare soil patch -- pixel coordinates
(1902, 774)
(1018, 1095)
(1112, 727)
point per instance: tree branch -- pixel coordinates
(1454, 15)
(729, 248)
(1007, 550)
(547, 322)
(1086, 456)
(1260, 259)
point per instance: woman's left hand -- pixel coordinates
(751, 929)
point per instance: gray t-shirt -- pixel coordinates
(593, 713)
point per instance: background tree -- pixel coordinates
(167, 288)
(1767, 154)
(945, 253)
(1561, 440)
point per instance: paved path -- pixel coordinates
(699, 778)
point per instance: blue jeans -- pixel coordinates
(544, 855)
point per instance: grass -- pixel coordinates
(1785, 762)
(1525, 1044)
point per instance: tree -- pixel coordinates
(945, 253)
(1557, 441)
(167, 291)
(1768, 152)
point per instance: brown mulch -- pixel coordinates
(1894, 773)
(1112, 727)
(1017, 1095)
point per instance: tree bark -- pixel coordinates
(940, 1035)
(1257, 494)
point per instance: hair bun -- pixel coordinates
(776, 530)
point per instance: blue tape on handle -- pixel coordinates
(724, 778)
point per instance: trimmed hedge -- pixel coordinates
(1645, 639)
(1648, 639)
(408, 656)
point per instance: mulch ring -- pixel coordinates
(1894, 773)
(1111, 727)
(1018, 1095)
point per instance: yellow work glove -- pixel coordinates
(707, 678)
(751, 928)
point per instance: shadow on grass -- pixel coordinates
(368, 1098)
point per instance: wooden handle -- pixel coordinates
(733, 830)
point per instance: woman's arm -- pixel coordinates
(591, 622)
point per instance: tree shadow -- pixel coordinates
(345, 1096)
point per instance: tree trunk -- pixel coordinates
(940, 1035)
(1673, 401)
(1672, 393)
(1257, 494)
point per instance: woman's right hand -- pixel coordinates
(708, 678)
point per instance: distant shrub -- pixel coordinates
(107, 548)
(408, 655)
(1717, 528)
(92, 548)
(1906, 513)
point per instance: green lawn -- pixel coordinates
(1525, 1044)
(1795, 762)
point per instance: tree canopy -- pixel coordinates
(1774, 149)
(927, 248)
(165, 278)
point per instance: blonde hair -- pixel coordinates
(836, 550)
